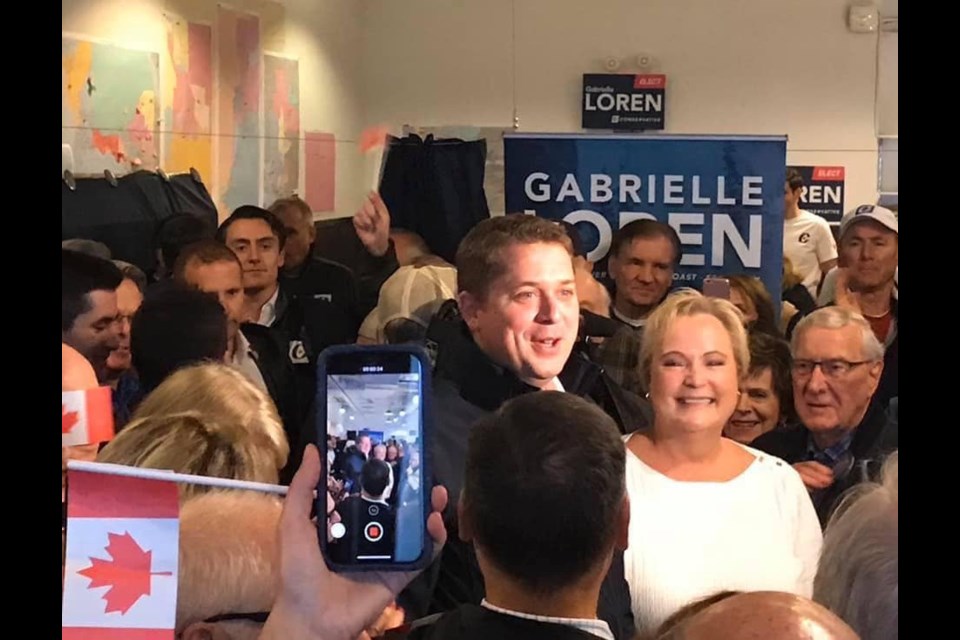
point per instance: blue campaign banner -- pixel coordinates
(722, 194)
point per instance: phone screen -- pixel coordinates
(375, 456)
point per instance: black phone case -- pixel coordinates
(426, 457)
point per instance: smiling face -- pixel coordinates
(693, 378)
(833, 404)
(758, 408)
(529, 318)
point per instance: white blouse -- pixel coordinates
(688, 540)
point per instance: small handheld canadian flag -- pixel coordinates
(120, 578)
(87, 416)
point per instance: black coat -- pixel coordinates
(471, 622)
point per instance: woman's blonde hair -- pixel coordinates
(688, 302)
(208, 420)
(790, 277)
(193, 443)
(222, 394)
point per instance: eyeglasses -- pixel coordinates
(832, 368)
(256, 616)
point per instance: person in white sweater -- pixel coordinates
(707, 514)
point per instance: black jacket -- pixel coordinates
(337, 241)
(875, 437)
(468, 386)
(471, 622)
(328, 295)
(271, 349)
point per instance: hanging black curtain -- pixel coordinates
(435, 188)
(124, 214)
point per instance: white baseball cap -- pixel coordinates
(874, 212)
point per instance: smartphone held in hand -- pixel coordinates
(373, 429)
(716, 287)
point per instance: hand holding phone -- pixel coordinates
(313, 601)
(373, 430)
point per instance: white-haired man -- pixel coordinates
(843, 431)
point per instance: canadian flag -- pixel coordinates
(120, 577)
(87, 416)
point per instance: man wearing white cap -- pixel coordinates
(869, 253)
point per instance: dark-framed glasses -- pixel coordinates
(831, 368)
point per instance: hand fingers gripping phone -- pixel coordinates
(372, 431)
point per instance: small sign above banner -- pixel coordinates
(624, 102)
(822, 193)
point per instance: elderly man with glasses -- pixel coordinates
(843, 432)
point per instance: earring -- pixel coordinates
(647, 396)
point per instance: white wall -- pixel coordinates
(323, 34)
(733, 66)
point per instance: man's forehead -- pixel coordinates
(647, 246)
(829, 342)
(102, 301)
(866, 227)
(252, 229)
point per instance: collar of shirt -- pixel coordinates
(832, 454)
(268, 312)
(555, 385)
(594, 627)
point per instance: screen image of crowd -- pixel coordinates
(375, 483)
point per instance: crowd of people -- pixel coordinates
(634, 461)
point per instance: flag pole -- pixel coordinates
(171, 476)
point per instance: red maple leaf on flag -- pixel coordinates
(69, 420)
(127, 574)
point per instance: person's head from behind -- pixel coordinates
(869, 247)
(692, 357)
(257, 237)
(762, 614)
(792, 189)
(748, 294)
(544, 499)
(226, 583)
(175, 233)
(837, 363)
(129, 299)
(297, 219)
(89, 247)
(408, 301)
(194, 443)
(859, 576)
(176, 326)
(213, 268)
(766, 393)
(376, 479)
(226, 397)
(517, 294)
(643, 257)
(88, 303)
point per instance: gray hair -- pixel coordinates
(858, 577)
(132, 272)
(89, 247)
(838, 318)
